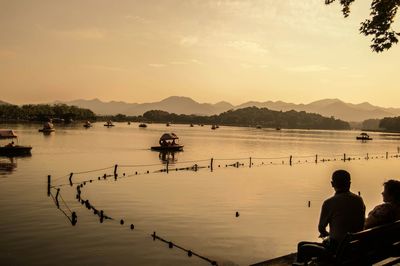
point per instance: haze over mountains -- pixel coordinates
(186, 105)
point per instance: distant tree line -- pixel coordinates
(390, 123)
(44, 112)
(252, 116)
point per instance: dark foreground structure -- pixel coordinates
(380, 244)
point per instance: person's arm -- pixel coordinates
(378, 216)
(324, 220)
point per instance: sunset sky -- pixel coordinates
(142, 51)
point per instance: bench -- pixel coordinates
(369, 246)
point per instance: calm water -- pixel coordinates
(195, 210)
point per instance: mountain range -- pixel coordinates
(186, 105)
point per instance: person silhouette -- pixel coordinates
(344, 212)
(389, 210)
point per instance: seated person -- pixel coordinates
(344, 212)
(11, 144)
(389, 211)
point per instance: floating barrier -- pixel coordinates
(195, 165)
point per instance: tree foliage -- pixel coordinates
(379, 25)
(43, 112)
(252, 116)
(390, 123)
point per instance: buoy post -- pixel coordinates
(167, 166)
(211, 164)
(250, 163)
(290, 160)
(316, 158)
(57, 203)
(387, 155)
(48, 185)
(344, 157)
(70, 179)
(115, 170)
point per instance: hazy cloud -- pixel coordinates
(308, 68)
(157, 65)
(107, 68)
(189, 41)
(252, 47)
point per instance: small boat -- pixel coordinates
(129, 123)
(142, 125)
(213, 127)
(11, 149)
(168, 142)
(48, 127)
(363, 136)
(258, 127)
(278, 128)
(109, 124)
(168, 124)
(87, 124)
(191, 125)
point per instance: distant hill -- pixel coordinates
(3, 103)
(186, 105)
(173, 104)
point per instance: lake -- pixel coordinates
(196, 210)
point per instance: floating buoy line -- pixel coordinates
(195, 165)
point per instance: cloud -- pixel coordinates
(179, 63)
(138, 19)
(7, 54)
(76, 34)
(252, 47)
(107, 68)
(156, 65)
(308, 68)
(189, 41)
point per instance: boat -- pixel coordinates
(109, 124)
(142, 125)
(258, 127)
(168, 124)
(364, 136)
(129, 123)
(213, 127)
(168, 142)
(277, 128)
(48, 127)
(87, 124)
(191, 125)
(11, 149)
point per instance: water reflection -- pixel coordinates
(7, 165)
(168, 156)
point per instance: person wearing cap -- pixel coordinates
(344, 212)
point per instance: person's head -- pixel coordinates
(341, 180)
(391, 191)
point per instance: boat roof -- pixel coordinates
(168, 136)
(7, 134)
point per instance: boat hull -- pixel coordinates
(167, 148)
(47, 130)
(15, 150)
(361, 138)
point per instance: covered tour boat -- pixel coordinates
(168, 142)
(87, 124)
(363, 136)
(109, 124)
(48, 127)
(11, 149)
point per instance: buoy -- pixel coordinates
(121, 222)
(309, 204)
(237, 214)
(123, 174)
(90, 180)
(170, 245)
(154, 236)
(190, 253)
(132, 226)
(148, 171)
(213, 262)
(135, 173)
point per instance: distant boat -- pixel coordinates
(87, 124)
(48, 127)
(129, 123)
(258, 127)
(142, 125)
(168, 142)
(278, 128)
(191, 125)
(168, 124)
(109, 124)
(11, 149)
(213, 127)
(364, 137)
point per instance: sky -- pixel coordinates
(139, 51)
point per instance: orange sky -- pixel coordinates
(211, 50)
